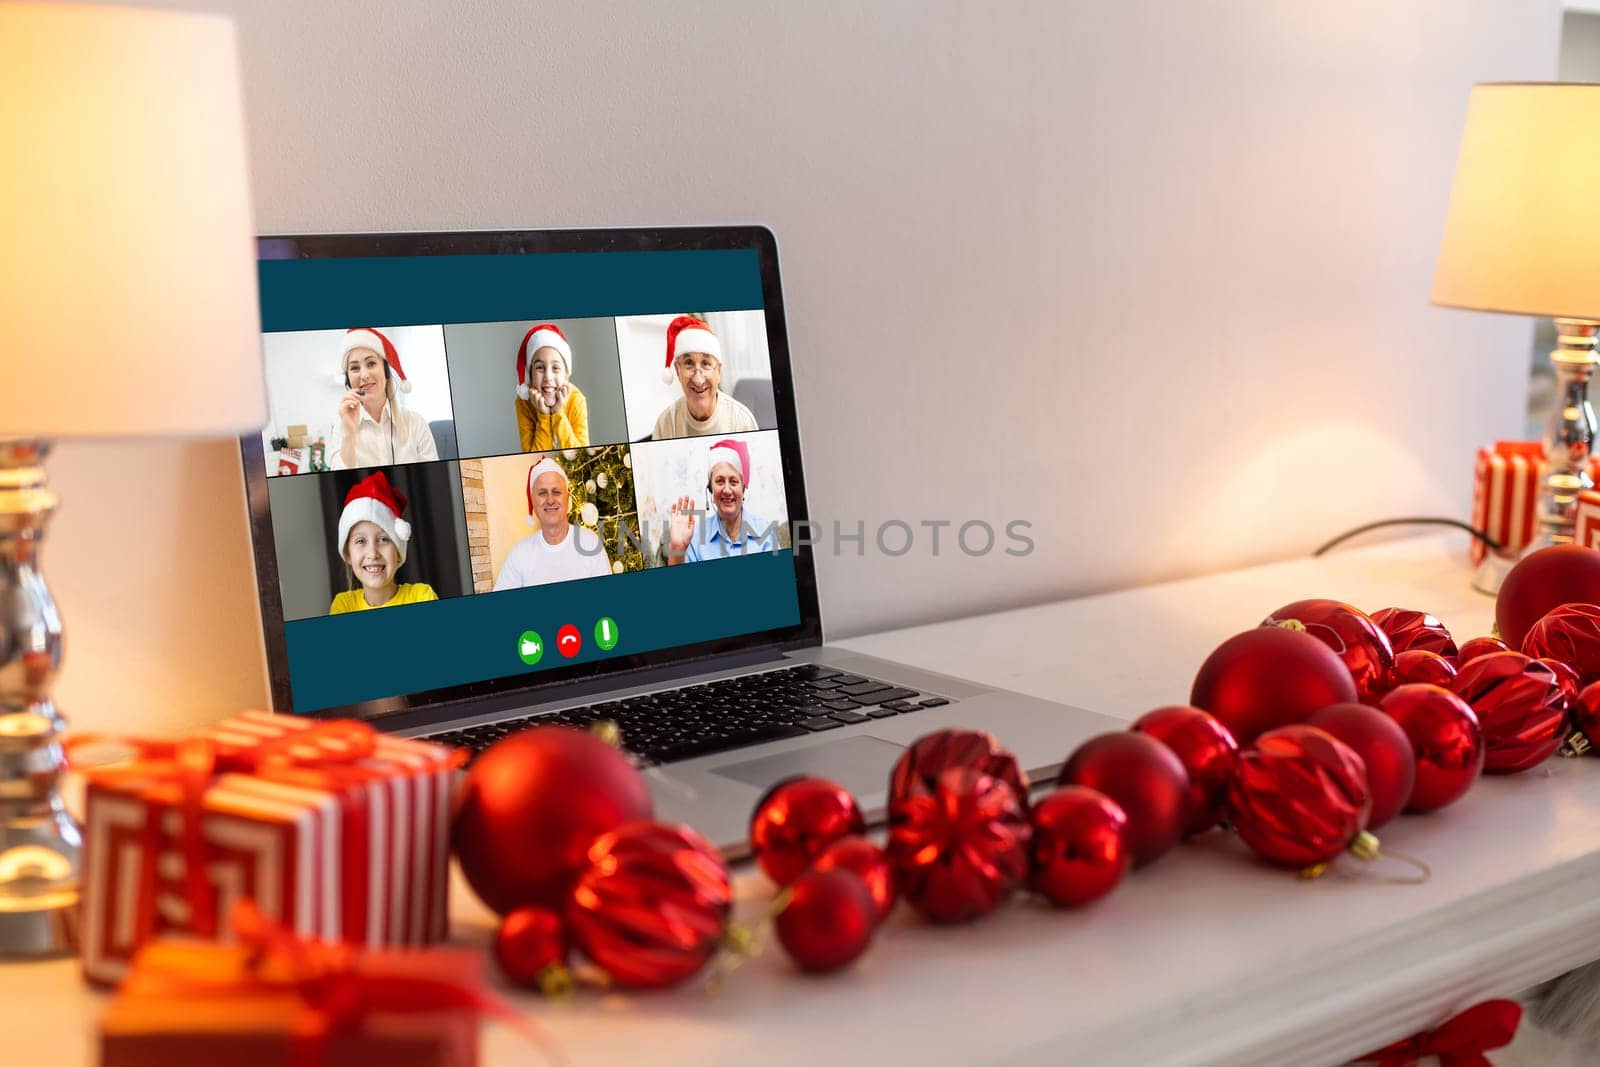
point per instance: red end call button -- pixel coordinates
(569, 642)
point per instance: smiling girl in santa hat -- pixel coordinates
(372, 542)
(552, 413)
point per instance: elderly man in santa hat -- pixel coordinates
(694, 356)
(732, 530)
(557, 551)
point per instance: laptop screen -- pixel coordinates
(497, 461)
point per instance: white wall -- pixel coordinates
(1151, 275)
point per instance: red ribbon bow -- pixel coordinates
(1459, 1042)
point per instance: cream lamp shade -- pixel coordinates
(128, 275)
(1523, 232)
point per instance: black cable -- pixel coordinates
(1494, 546)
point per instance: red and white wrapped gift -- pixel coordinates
(1586, 532)
(1507, 483)
(334, 830)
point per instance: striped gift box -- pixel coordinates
(1507, 483)
(1587, 532)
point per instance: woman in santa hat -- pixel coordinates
(694, 357)
(372, 542)
(731, 530)
(373, 429)
(552, 413)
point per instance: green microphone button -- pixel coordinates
(605, 633)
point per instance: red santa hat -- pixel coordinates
(546, 465)
(689, 334)
(544, 335)
(734, 453)
(374, 500)
(367, 337)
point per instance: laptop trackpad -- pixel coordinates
(860, 764)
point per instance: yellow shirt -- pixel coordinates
(408, 593)
(567, 428)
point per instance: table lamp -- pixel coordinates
(127, 309)
(1523, 236)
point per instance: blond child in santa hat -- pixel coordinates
(372, 542)
(552, 413)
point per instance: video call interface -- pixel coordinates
(458, 501)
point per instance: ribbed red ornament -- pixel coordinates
(825, 920)
(1207, 751)
(1300, 797)
(1078, 850)
(958, 824)
(652, 905)
(1521, 705)
(1479, 647)
(1408, 630)
(1415, 666)
(798, 819)
(1446, 739)
(1584, 736)
(1571, 684)
(1352, 635)
(1569, 634)
(867, 862)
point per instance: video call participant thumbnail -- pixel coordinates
(552, 412)
(694, 356)
(372, 541)
(373, 429)
(557, 551)
(730, 529)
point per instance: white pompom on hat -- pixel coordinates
(546, 465)
(374, 500)
(689, 334)
(543, 335)
(368, 337)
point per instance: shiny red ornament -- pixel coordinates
(1207, 751)
(1479, 647)
(1079, 852)
(1583, 737)
(867, 862)
(1446, 739)
(531, 948)
(1269, 677)
(1352, 635)
(651, 907)
(825, 920)
(1414, 630)
(1569, 634)
(958, 824)
(1571, 684)
(1415, 666)
(1147, 782)
(1521, 705)
(531, 806)
(798, 819)
(1542, 581)
(1383, 747)
(1300, 797)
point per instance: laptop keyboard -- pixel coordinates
(679, 724)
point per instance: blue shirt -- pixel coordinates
(755, 535)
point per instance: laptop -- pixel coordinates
(515, 478)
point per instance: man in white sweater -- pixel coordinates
(557, 551)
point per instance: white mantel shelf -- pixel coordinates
(1204, 957)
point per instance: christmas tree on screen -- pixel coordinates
(601, 485)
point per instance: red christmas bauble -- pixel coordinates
(1546, 579)
(826, 920)
(1269, 677)
(531, 806)
(1352, 635)
(1571, 684)
(958, 824)
(1415, 666)
(1409, 630)
(652, 905)
(867, 862)
(531, 948)
(1207, 751)
(1584, 737)
(1383, 747)
(1445, 738)
(1521, 705)
(1300, 797)
(797, 820)
(1147, 782)
(1079, 853)
(1569, 634)
(1479, 647)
